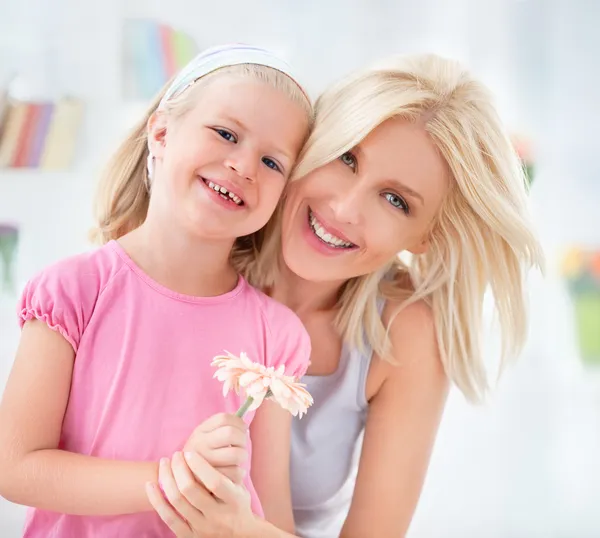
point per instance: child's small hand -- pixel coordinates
(221, 440)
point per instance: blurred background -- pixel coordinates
(74, 75)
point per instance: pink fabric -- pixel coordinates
(142, 379)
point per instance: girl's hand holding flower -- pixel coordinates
(221, 440)
(197, 499)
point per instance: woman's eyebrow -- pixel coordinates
(401, 186)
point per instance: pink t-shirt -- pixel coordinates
(142, 379)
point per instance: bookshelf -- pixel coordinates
(93, 72)
(42, 133)
(39, 134)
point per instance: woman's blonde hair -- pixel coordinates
(482, 238)
(123, 194)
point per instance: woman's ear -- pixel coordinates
(157, 134)
(421, 247)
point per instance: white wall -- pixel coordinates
(526, 465)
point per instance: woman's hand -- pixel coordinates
(216, 507)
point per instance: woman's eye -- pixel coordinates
(397, 201)
(226, 135)
(349, 160)
(271, 164)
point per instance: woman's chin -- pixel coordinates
(311, 269)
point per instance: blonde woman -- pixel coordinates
(409, 157)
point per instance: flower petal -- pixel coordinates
(258, 381)
(248, 378)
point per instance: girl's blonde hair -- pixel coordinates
(123, 195)
(482, 238)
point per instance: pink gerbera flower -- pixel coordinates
(260, 382)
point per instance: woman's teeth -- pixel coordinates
(224, 192)
(325, 236)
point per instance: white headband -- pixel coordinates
(215, 58)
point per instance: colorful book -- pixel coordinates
(4, 105)
(167, 51)
(21, 155)
(59, 149)
(154, 69)
(152, 54)
(40, 135)
(184, 49)
(15, 118)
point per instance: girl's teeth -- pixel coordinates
(224, 192)
(235, 198)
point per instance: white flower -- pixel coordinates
(260, 382)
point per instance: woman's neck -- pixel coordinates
(304, 296)
(184, 264)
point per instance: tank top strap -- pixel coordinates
(358, 362)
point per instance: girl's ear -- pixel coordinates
(157, 134)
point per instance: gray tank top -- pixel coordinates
(326, 446)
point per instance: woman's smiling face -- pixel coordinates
(353, 215)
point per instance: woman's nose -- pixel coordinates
(347, 205)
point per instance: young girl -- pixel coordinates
(113, 368)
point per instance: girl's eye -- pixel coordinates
(271, 164)
(349, 159)
(226, 135)
(397, 201)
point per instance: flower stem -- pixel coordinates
(240, 412)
